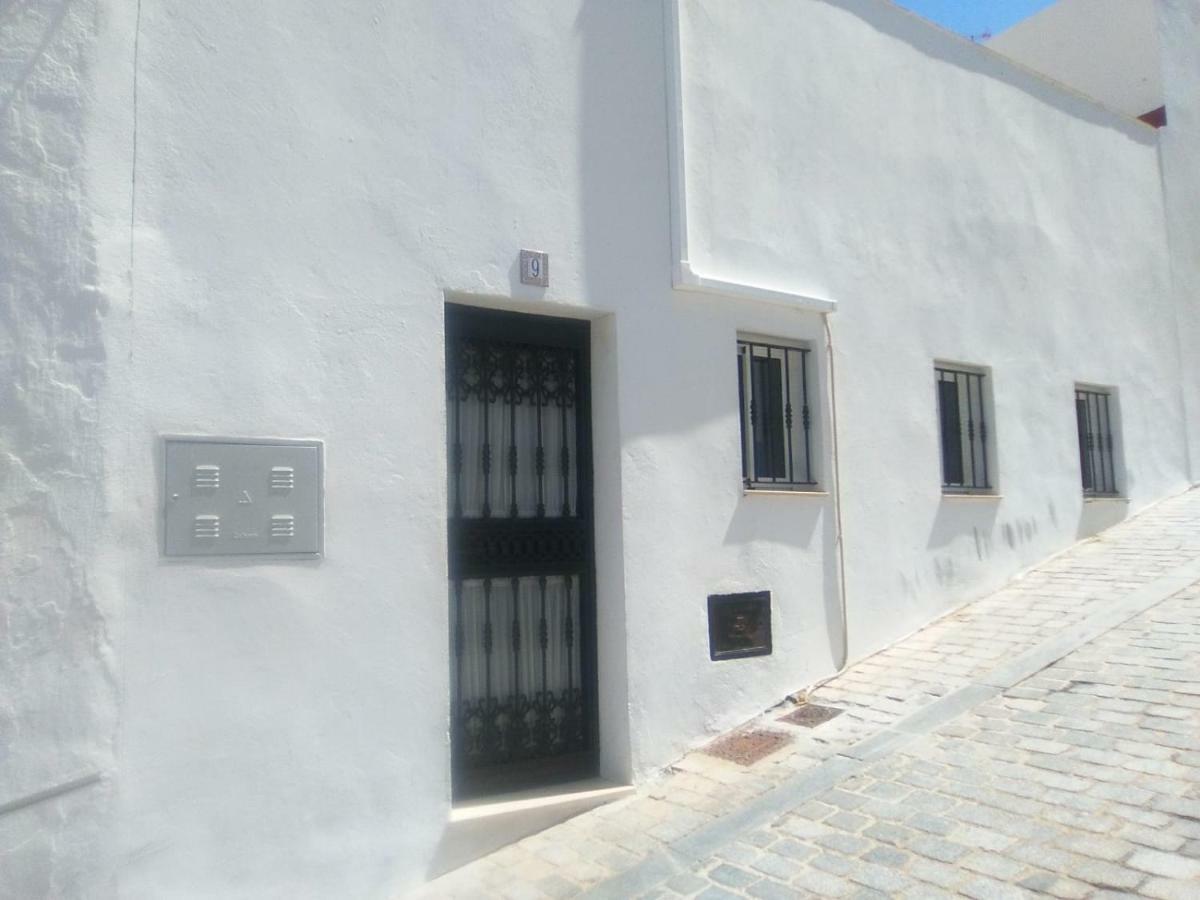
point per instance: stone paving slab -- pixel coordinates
(1082, 782)
(858, 806)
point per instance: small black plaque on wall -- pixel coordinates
(739, 625)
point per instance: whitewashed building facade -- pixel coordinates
(937, 273)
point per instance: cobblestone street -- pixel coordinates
(1042, 741)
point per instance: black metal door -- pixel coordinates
(522, 607)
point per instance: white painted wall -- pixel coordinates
(1106, 49)
(958, 209)
(309, 183)
(1179, 24)
(57, 722)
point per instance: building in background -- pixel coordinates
(329, 515)
(1105, 49)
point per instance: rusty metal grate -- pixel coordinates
(747, 747)
(810, 715)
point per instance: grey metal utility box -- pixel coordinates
(242, 497)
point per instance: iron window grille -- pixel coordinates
(1093, 421)
(962, 414)
(776, 418)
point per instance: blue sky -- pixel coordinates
(973, 17)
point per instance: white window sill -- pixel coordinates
(1102, 498)
(750, 492)
(965, 495)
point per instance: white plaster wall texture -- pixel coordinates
(960, 210)
(1179, 25)
(313, 181)
(694, 531)
(56, 683)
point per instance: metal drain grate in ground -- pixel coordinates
(747, 747)
(810, 715)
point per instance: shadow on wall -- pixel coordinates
(972, 523)
(956, 518)
(1019, 532)
(939, 44)
(946, 570)
(793, 522)
(1099, 514)
(624, 233)
(787, 521)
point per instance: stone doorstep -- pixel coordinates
(481, 827)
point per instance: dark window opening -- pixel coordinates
(1093, 423)
(776, 419)
(964, 430)
(767, 381)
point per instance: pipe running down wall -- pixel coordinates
(685, 277)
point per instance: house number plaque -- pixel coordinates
(535, 268)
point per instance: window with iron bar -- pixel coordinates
(776, 416)
(1094, 424)
(962, 414)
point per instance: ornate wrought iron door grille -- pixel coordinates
(521, 566)
(1093, 422)
(964, 430)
